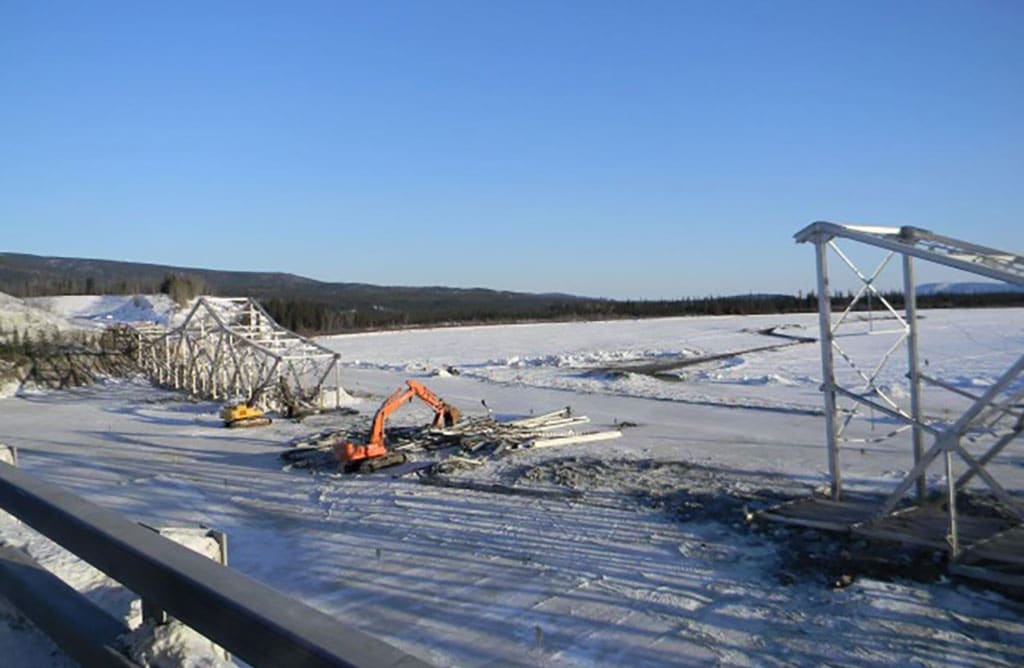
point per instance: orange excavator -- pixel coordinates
(374, 454)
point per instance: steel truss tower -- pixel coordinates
(994, 417)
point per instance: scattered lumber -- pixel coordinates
(469, 442)
(485, 436)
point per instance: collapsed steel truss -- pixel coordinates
(994, 418)
(230, 348)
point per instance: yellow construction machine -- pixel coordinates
(243, 415)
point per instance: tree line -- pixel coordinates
(180, 287)
(318, 317)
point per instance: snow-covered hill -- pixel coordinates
(102, 310)
(16, 314)
(966, 288)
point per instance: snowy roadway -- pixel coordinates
(469, 578)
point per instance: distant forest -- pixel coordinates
(313, 317)
(313, 307)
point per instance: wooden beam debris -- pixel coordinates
(576, 438)
(469, 442)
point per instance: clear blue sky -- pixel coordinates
(623, 149)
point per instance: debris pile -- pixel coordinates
(466, 444)
(68, 359)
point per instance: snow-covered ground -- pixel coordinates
(966, 348)
(102, 310)
(617, 573)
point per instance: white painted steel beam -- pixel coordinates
(956, 253)
(827, 369)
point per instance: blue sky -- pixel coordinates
(622, 149)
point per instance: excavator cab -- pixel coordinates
(374, 455)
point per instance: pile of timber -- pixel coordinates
(487, 436)
(470, 442)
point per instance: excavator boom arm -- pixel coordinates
(390, 405)
(445, 414)
(426, 395)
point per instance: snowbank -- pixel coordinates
(27, 318)
(101, 310)
(171, 645)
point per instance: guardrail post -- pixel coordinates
(187, 536)
(8, 455)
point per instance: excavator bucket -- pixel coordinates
(446, 417)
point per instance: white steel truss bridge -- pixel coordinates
(231, 349)
(964, 444)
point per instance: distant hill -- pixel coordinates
(26, 275)
(967, 288)
(21, 273)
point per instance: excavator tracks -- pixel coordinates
(249, 422)
(377, 463)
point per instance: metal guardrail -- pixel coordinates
(86, 633)
(251, 620)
